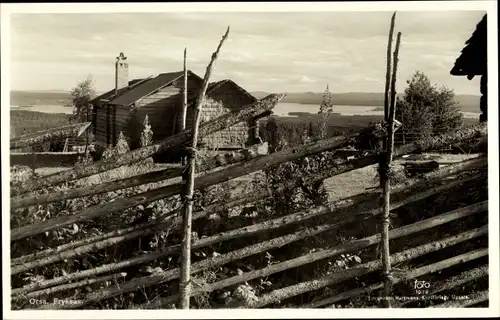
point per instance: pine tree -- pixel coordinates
(325, 110)
(122, 144)
(146, 140)
(147, 133)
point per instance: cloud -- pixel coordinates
(265, 51)
(306, 79)
(239, 56)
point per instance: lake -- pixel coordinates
(288, 109)
(283, 109)
(45, 108)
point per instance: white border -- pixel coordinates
(494, 279)
(249, 6)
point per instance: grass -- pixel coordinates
(357, 181)
(351, 183)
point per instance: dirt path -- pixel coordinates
(357, 181)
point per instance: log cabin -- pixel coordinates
(124, 108)
(473, 62)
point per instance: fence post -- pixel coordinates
(387, 82)
(182, 124)
(386, 188)
(388, 70)
(185, 281)
(386, 106)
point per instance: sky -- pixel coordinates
(265, 51)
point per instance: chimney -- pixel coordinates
(121, 72)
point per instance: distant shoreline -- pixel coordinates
(468, 103)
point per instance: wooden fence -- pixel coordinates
(339, 213)
(412, 238)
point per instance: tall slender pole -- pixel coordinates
(184, 98)
(182, 124)
(386, 102)
(388, 70)
(185, 280)
(386, 188)
(387, 98)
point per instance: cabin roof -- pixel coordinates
(139, 88)
(472, 61)
(214, 85)
(147, 87)
(106, 96)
